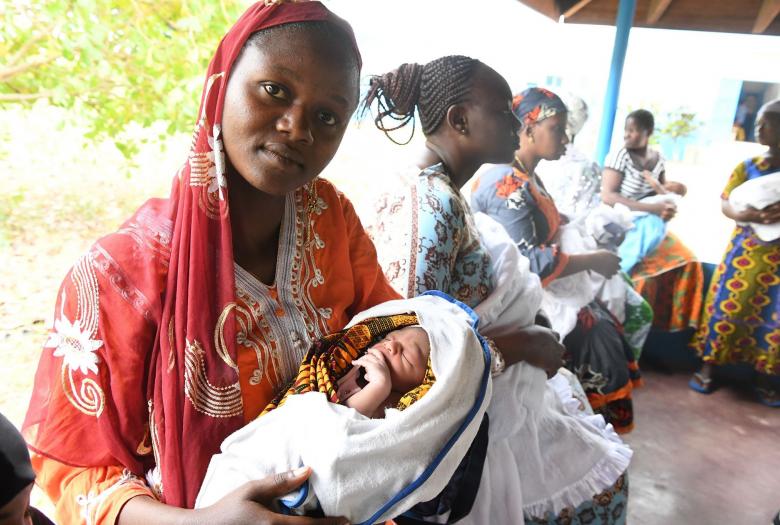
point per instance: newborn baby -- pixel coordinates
(389, 369)
(418, 378)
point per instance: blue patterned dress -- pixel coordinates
(597, 349)
(741, 321)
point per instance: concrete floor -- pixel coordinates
(702, 459)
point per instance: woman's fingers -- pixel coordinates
(276, 485)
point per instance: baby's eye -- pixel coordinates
(328, 118)
(275, 91)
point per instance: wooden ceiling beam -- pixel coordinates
(766, 15)
(656, 10)
(573, 10)
(546, 7)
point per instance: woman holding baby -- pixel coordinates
(181, 327)
(741, 322)
(597, 351)
(663, 269)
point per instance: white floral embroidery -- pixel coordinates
(91, 504)
(154, 480)
(74, 345)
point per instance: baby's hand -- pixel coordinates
(377, 371)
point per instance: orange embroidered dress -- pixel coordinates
(320, 284)
(162, 346)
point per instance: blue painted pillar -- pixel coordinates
(625, 19)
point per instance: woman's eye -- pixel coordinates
(328, 118)
(275, 91)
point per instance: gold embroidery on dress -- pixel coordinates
(92, 502)
(308, 275)
(209, 399)
(171, 347)
(279, 327)
(219, 337)
(75, 342)
(144, 446)
(253, 332)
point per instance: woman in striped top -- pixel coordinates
(669, 276)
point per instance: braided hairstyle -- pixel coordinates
(431, 89)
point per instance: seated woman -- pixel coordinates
(428, 385)
(547, 460)
(740, 323)
(668, 276)
(178, 329)
(597, 352)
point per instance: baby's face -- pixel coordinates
(406, 352)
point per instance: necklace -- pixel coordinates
(523, 168)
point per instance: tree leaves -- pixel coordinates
(115, 62)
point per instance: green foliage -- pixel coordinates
(112, 62)
(679, 124)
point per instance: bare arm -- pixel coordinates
(610, 192)
(536, 345)
(367, 401)
(248, 504)
(603, 262)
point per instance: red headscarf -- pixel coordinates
(165, 282)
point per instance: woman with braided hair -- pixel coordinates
(548, 459)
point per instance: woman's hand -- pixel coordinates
(768, 215)
(666, 210)
(249, 504)
(536, 345)
(604, 262)
(653, 182)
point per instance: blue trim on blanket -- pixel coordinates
(295, 499)
(422, 478)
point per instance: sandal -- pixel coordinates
(701, 384)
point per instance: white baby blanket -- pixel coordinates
(759, 193)
(370, 470)
(547, 451)
(565, 296)
(517, 292)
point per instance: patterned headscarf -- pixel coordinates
(536, 104)
(330, 358)
(89, 406)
